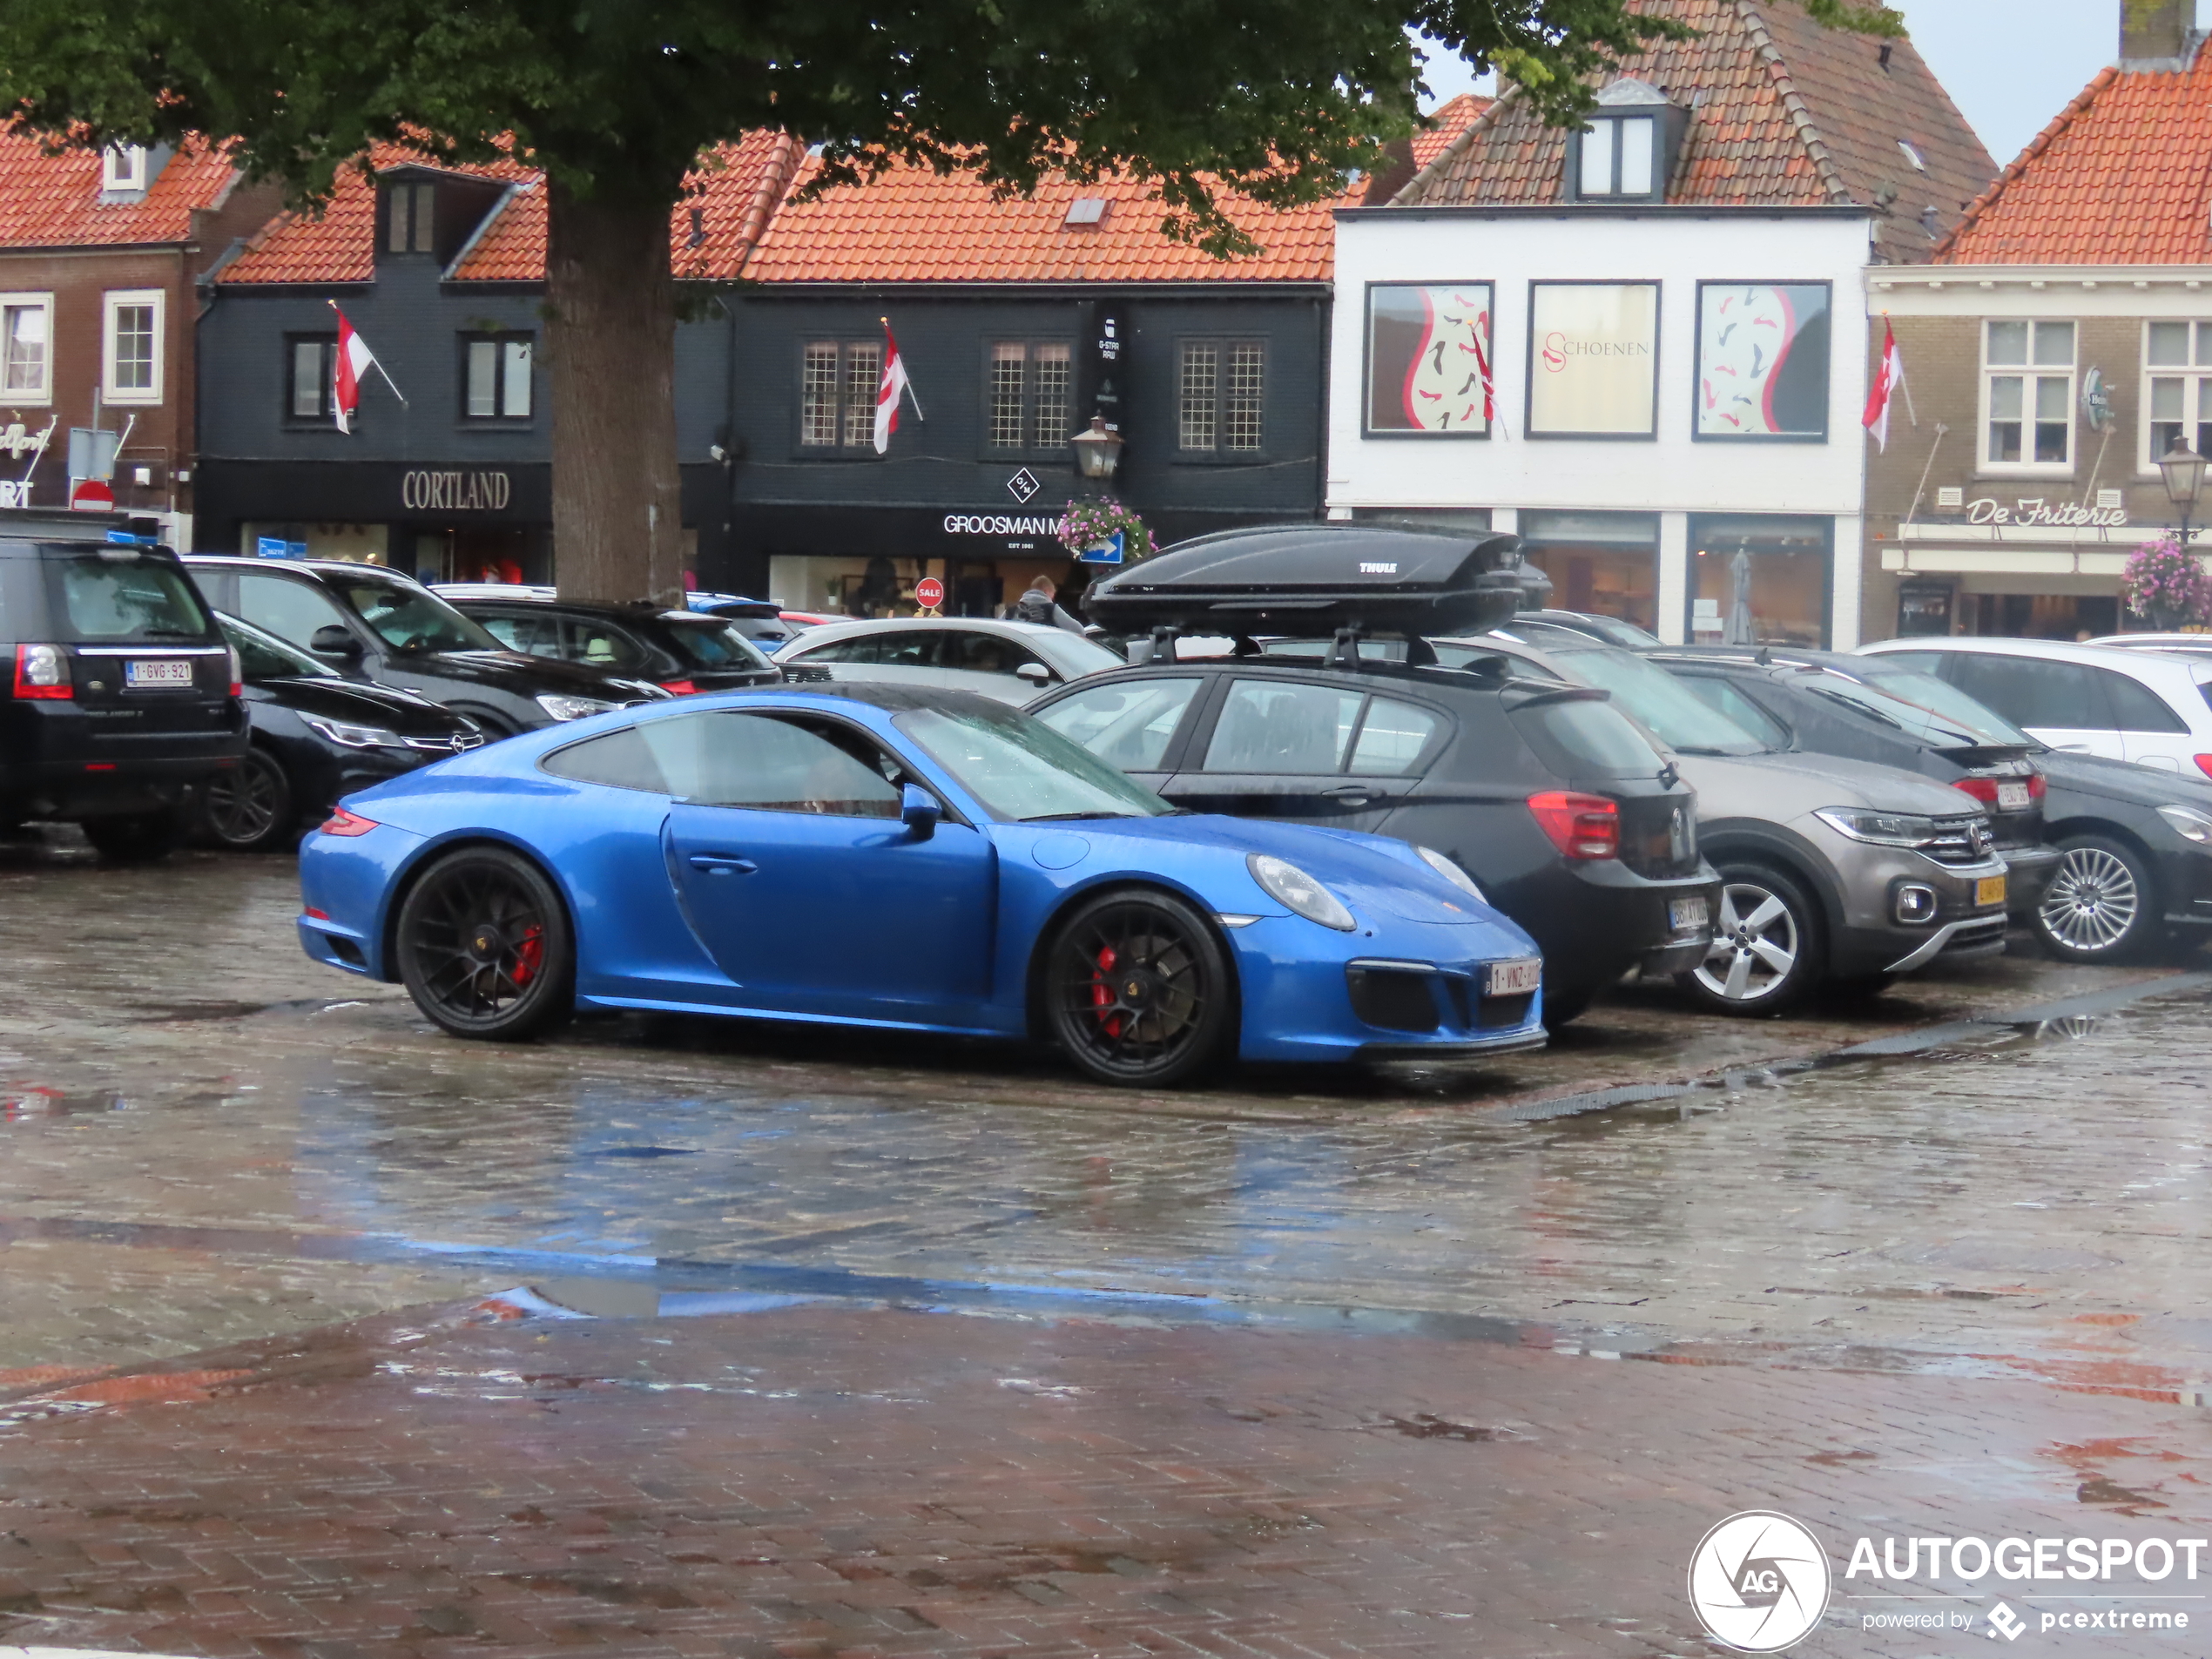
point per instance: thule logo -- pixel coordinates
(1367, 568)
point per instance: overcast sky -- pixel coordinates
(2010, 65)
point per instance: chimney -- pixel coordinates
(2155, 34)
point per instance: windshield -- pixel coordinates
(120, 593)
(410, 618)
(1074, 655)
(1022, 770)
(264, 656)
(713, 644)
(1931, 697)
(1676, 715)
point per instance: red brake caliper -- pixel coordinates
(530, 956)
(1102, 998)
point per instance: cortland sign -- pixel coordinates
(454, 492)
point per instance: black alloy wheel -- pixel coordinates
(2103, 905)
(1137, 990)
(485, 946)
(250, 809)
(139, 839)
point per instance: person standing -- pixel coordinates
(1039, 604)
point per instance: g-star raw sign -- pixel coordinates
(454, 492)
(2036, 510)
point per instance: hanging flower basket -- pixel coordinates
(1093, 523)
(2166, 587)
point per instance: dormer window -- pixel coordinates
(410, 219)
(1626, 152)
(1617, 154)
(122, 169)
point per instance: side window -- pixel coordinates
(913, 648)
(2136, 707)
(539, 636)
(289, 609)
(621, 760)
(1128, 725)
(1720, 695)
(2029, 692)
(756, 761)
(861, 648)
(1267, 725)
(1392, 739)
(599, 644)
(1920, 662)
(986, 653)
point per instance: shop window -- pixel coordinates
(131, 354)
(836, 388)
(1603, 565)
(410, 219)
(2177, 363)
(1593, 360)
(1029, 388)
(1221, 397)
(1762, 362)
(496, 375)
(311, 361)
(1428, 358)
(26, 363)
(1759, 580)
(2027, 396)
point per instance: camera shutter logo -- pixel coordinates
(1759, 1582)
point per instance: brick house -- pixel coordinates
(2057, 345)
(99, 253)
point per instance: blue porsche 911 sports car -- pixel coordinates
(900, 857)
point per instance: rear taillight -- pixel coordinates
(343, 822)
(237, 673)
(2038, 786)
(1580, 827)
(41, 673)
(679, 688)
(1982, 789)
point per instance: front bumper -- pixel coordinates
(1871, 940)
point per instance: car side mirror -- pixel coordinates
(919, 812)
(331, 640)
(1036, 673)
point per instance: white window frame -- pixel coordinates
(2030, 372)
(2193, 376)
(123, 168)
(44, 394)
(112, 302)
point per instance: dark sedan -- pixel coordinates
(681, 652)
(317, 736)
(2134, 859)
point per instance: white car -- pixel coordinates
(1011, 661)
(2153, 707)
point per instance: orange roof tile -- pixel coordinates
(2119, 178)
(911, 224)
(54, 201)
(339, 244)
(1446, 122)
(1784, 112)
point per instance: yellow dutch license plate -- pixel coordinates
(1989, 890)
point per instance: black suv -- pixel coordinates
(681, 652)
(1558, 807)
(123, 695)
(390, 628)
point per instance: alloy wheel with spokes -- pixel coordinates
(1766, 949)
(1137, 990)
(485, 946)
(249, 808)
(2098, 907)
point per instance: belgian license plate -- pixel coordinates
(1514, 979)
(1688, 915)
(2012, 797)
(1989, 890)
(168, 673)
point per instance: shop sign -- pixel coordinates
(1594, 352)
(1003, 523)
(15, 495)
(1023, 485)
(2066, 515)
(454, 492)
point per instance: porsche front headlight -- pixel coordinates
(1298, 892)
(1450, 873)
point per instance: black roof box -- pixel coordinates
(1319, 579)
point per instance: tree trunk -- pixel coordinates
(610, 347)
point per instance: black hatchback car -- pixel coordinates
(1551, 800)
(681, 652)
(122, 699)
(317, 737)
(387, 628)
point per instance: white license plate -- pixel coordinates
(2012, 797)
(1688, 915)
(170, 673)
(1514, 979)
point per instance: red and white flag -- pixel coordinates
(1888, 378)
(889, 390)
(353, 359)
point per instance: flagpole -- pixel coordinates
(375, 362)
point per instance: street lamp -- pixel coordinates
(1098, 451)
(2184, 472)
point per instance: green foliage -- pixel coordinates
(1276, 98)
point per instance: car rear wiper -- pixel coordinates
(1064, 818)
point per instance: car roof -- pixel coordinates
(988, 624)
(637, 611)
(2135, 663)
(312, 567)
(2153, 642)
(1432, 677)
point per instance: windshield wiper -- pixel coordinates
(1064, 818)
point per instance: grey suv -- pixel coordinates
(1832, 870)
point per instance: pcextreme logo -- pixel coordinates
(1759, 1582)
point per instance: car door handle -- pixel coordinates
(1353, 794)
(723, 864)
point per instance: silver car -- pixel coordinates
(1832, 870)
(1011, 661)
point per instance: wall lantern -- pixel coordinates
(1098, 451)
